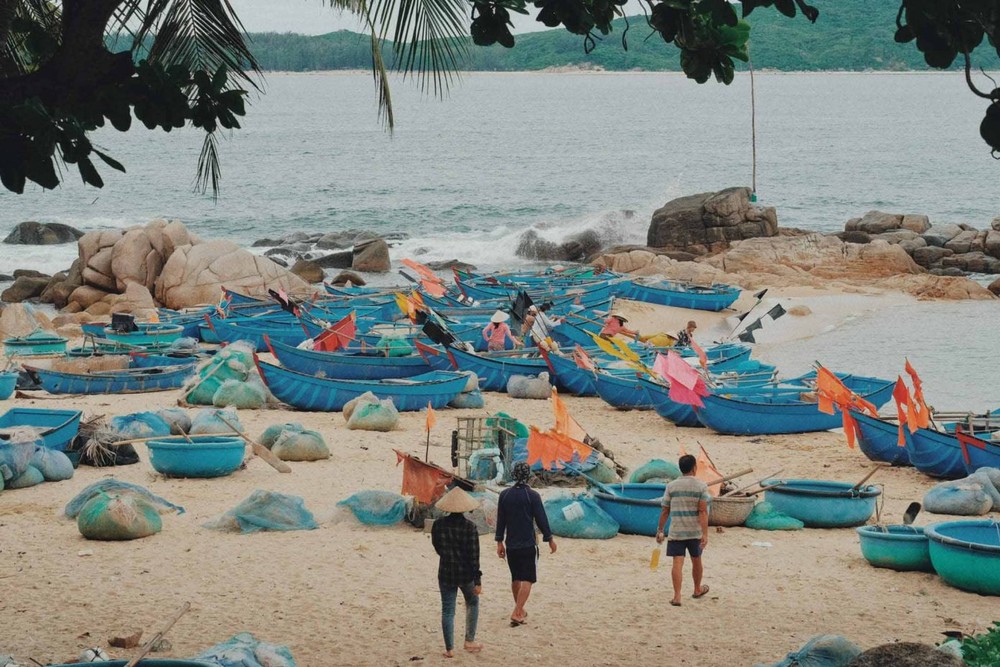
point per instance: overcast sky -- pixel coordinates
(313, 17)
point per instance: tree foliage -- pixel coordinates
(187, 62)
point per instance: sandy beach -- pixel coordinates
(347, 594)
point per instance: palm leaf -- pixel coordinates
(16, 56)
(209, 167)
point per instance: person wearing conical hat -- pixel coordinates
(615, 325)
(456, 541)
(497, 332)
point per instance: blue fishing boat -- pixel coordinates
(317, 394)
(494, 369)
(681, 295)
(58, 427)
(353, 365)
(879, 440)
(154, 359)
(127, 381)
(147, 334)
(623, 390)
(680, 414)
(903, 548)
(981, 453)
(780, 409)
(966, 554)
(569, 377)
(290, 332)
(821, 503)
(636, 507)
(936, 454)
(36, 344)
(196, 456)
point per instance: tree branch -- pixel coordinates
(995, 94)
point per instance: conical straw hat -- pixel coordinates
(457, 501)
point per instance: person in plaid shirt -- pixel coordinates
(456, 541)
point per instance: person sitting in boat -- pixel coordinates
(497, 332)
(686, 335)
(615, 325)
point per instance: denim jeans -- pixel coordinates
(449, 597)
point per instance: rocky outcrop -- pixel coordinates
(360, 250)
(994, 287)
(311, 272)
(196, 274)
(575, 248)
(371, 257)
(19, 319)
(449, 264)
(41, 233)
(709, 222)
(345, 277)
(24, 288)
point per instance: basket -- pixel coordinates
(730, 511)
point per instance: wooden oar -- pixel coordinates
(729, 477)
(864, 479)
(148, 646)
(259, 449)
(601, 485)
(750, 486)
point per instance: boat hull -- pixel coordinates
(879, 440)
(821, 503)
(130, 381)
(348, 365)
(59, 427)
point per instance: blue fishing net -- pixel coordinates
(765, 517)
(114, 486)
(274, 431)
(469, 400)
(53, 464)
(244, 650)
(242, 395)
(376, 508)
(379, 415)
(140, 425)
(821, 651)
(658, 470)
(265, 510)
(580, 517)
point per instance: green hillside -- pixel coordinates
(849, 35)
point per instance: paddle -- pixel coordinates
(148, 646)
(750, 486)
(722, 480)
(600, 485)
(259, 449)
(912, 510)
(864, 479)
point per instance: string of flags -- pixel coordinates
(774, 313)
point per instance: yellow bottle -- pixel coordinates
(654, 559)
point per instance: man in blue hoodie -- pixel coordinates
(518, 510)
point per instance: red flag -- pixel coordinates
(921, 411)
(702, 357)
(554, 449)
(965, 441)
(902, 396)
(565, 423)
(686, 385)
(433, 288)
(337, 335)
(583, 359)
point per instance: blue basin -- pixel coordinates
(207, 456)
(636, 507)
(896, 547)
(820, 503)
(966, 554)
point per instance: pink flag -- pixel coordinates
(660, 366)
(686, 384)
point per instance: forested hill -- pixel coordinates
(849, 35)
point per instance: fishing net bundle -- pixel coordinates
(244, 395)
(304, 445)
(394, 346)
(103, 448)
(656, 471)
(579, 517)
(974, 495)
(212, 421)
(821, 651)
(244, 650)
(31, 476)
(484, 517)
(468, 400)
(178, 419)
(116, 487)
(265, 511)
(529, 386)
(52, 464)
(764, 516)
(118, 516)
(377, 508)
(140, 425)
(16, 449)
(233, 362)
(374, 415)
(351, 405)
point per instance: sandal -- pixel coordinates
(473, 647)
(701, 593)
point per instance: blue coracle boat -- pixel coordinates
(35, 344)
(308, 392)
(936, 454)
(127, 381)
(681, 295)
(348, 365)
(59, 427)
(879, 440)
(636, 507)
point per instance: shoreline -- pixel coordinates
(572, 69)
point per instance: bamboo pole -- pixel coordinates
(259, 449)
(148, 646)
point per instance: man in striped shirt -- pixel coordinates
(685, 504)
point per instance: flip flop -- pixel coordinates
(675, 604)
(514, 622)
(701, 593)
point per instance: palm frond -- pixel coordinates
(17, 56)
(427, 39)
(381, 77)
(209, 167)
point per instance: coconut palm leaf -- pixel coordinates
(23, 50)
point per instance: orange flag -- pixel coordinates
(554, 449)
(702, 357)
(565, 424)
(706, 470)
(902, 396)
(920, 411)
(431, 417)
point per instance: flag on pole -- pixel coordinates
(776, 312)
(553, 449)
(706, 470)
(565, 423)
(747, 337)
(431, 417)
(583, 359)
(338, 335)
(702, 357)
(686, 384)
(902, 396)
(760, 295)
(920, 411)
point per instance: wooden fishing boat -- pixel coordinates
(57, 427)
(680, 294)
(318, 394)
(935, 454)
(879, 440)
(353, 365)
(35, 344)
(680, 414)
(289, 332)
(569, 377)
(779, 409)
(127, 381)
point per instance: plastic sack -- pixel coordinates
(244, 650)
(378, 416)
(228, 364)
(469, 400)
(579, 517)
(352, 405)
(822, 651)
(765, 517)
(16, 453)
(376, 508)
(303, 445)
(989, 479)
(114, 486)
(603, 473)
(53, 464)
(31, 476)
(183, 344)
(393, 346)
(961, 497)
(140, 425)
(265, 510)
(484, 516)
(207, 421)
(112, 516)
(243, 395)
(657, 469)
(472, 384)
(273, 432)
(528, 386)
(178, 418)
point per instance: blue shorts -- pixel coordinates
(678, 547)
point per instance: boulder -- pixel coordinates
(952, 271)
(449, 264)
(344, 277)
(19, 319)
(709, 221)
(337, 260)
(938, 236)
(309, 271)
(29, 273)
(40, 233)
(97, 270)
(85, 296)
(195, 274)
(972, 262)
(371, 257)
(877, 222)
(93, 242)
(24, 288)
(915, 223)
(135, 260)
(136, 298)
(99, 309)
(930, 255)
(962, 243)
(991, 244)
(854, 236)
(62, 285)
(897, 235)
(575, 248)
(345, 239)
(995, 225)
(911, 245)
(995, 287)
